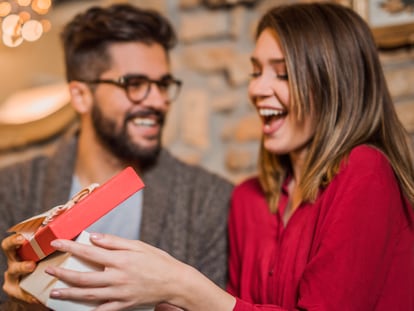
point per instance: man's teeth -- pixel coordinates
(270, 112)
(144, 122)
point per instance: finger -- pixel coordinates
(10, 244)
(86, 252)
(13, 289)
(82, 279)
(92, 295)
(113, 242)
(21, 295)
(18, 269)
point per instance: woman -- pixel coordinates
(328, 224)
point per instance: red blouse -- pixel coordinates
(353, 249)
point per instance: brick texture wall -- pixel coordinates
(213, 123)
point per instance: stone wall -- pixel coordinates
(212, 123)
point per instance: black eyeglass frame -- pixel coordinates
(122, 82)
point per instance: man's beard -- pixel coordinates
(120, 143)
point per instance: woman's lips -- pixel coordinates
(272, 119)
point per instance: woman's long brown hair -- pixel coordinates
(334, 70)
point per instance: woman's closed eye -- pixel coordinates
(255, 74)
(282, 76)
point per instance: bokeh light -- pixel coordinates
(32, 30)
(5, 8)
(23, 20)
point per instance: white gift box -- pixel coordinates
(39, 283)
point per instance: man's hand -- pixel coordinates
(16, 269)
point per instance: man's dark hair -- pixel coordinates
(86, 38)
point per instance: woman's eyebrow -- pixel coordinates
(277, 61)
(272, 61)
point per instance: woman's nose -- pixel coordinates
(261, 86)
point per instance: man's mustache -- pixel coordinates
(158, 115)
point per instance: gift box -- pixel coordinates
(39, 284)
(68, 220)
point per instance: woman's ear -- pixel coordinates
(81, 96)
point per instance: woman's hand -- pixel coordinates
(167, 307)
(135, 274)
(16, 269)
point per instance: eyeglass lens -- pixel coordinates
(139, 87)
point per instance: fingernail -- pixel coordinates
(49, 270)
(54, 293)
(96, 236)
(19, 238)
(56, 244)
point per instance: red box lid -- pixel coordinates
(82, 214)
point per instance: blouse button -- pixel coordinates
(271, 272)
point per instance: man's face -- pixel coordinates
(131, 130)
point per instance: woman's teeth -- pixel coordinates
(269, 115)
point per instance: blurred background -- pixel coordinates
(211, 124)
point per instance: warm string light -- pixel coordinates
(23, 20)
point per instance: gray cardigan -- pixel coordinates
(184, 210)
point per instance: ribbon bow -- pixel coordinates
(28, 227)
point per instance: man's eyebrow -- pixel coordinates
(144, 76)
(167, 76)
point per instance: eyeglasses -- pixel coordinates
(137, 87)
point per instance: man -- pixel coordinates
(120, 84)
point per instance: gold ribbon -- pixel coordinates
(29, 227)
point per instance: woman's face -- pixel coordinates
(269, 93)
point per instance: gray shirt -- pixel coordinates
(123, 221)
